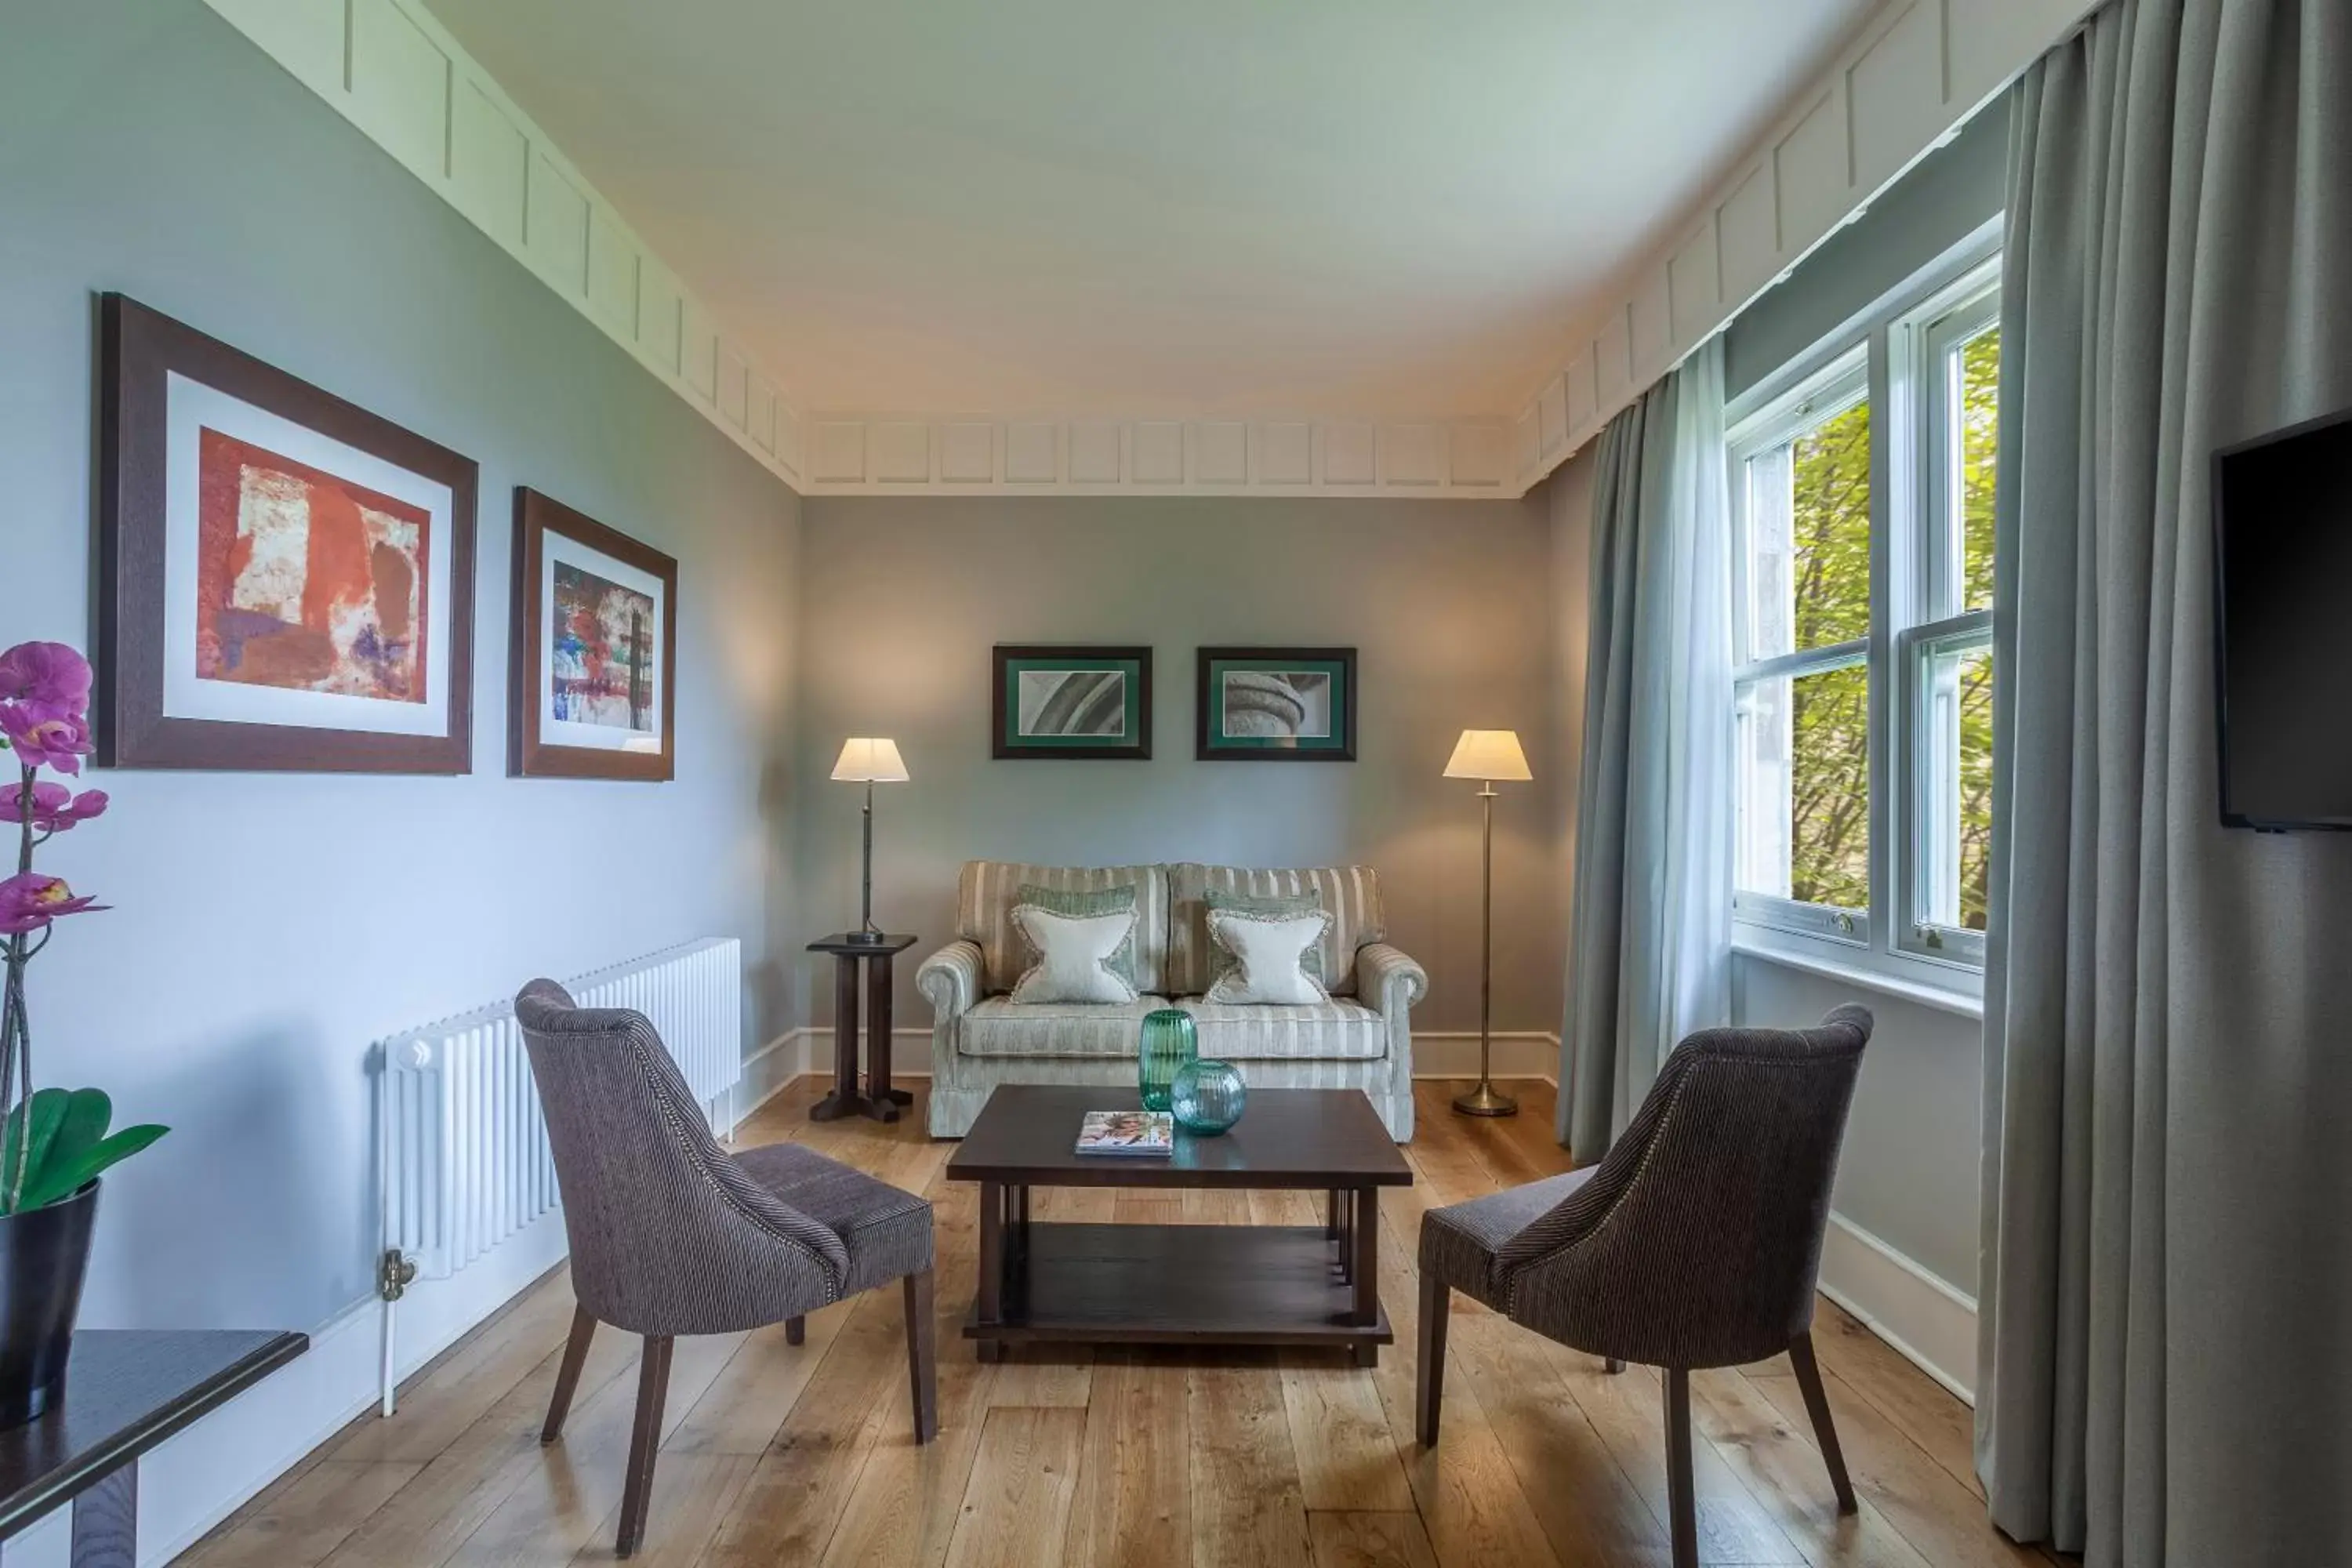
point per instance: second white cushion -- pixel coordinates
(1269, 953)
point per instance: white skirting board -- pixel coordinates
(1931, 1321)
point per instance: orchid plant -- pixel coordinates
(53, 1141)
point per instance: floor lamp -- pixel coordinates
(869, 760)
(1488, 755)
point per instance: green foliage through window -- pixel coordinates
(1828, 753)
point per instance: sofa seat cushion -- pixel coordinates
(1000, 1027)
(1336, 1030)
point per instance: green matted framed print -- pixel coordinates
(1074, 702)
(1277, 705)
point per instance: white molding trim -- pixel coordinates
(1925, 1319)
(393, 70)
(1916, 71)
(1942, 998)
(863, 454)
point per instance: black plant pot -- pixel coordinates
(44, 1252)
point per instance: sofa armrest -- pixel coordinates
(950, 979)
(1388, 981)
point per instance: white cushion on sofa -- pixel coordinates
(1000, 1027)
(1075, 956)
(987, 890)
(1269, 955)
(1336, 1030)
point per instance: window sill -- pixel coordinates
(1942, 999)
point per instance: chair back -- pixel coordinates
(1697, 1241)
(667, 1232)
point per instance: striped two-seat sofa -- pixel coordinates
(1362, 1038)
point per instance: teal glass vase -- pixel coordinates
(1208, 1097)
(1168, 1044)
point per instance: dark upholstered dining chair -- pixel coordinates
(671, 1234)
(1693, 1244)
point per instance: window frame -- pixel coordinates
(1825, 393)
(1915, 617)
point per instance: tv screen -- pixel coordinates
(2283, 548)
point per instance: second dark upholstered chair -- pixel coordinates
(1693, 1244)
(671, 1234)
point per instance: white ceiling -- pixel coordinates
(1361, 209)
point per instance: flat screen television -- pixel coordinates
(2283, 626)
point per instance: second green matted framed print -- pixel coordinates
(1070, 701)
(1276, 705)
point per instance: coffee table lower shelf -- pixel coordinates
(1178, 1284)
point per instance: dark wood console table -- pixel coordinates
(879, 1100)
(126, 1391)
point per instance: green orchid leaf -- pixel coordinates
(45, 1113)
(66, 1177)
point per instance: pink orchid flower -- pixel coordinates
(30, 900)
(45, 734)
(48, 675)
(55, 807)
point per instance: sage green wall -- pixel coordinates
(1447, 602)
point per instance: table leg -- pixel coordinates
(844, 1100)
(1364, 1230)
(1343, 1210)
(1331, 1213)
(882, 1101)
(106, 1522)
(989, 1307)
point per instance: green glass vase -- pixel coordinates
(1208, 1097)
(1169, 1042)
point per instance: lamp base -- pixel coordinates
(866, 938)
(1485, 1101)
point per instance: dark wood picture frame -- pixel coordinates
(139, 349)
(1210, 748)
(1005, 656)
(528, 754)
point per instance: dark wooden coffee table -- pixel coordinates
(1182, 1284)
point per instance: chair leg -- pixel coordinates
(567, 1375)
(795, 1331)
(1681, 1507)
(922, 1353)
(1817, 1405)
(1429, 1373)
(644, 1441)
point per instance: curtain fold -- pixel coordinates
(1650, 951)
(2165, 1371)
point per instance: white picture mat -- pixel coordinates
(552, 731)
(190, 408)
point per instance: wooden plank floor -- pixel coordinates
(776, 1454)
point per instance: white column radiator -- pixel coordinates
(461, 1139)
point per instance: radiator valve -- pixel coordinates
(395, 1272)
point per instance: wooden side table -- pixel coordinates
(126, 1391)
(879, 1100)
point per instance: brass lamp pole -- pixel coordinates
(1488, 755)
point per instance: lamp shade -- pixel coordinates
(870, 760)
(1488, 754)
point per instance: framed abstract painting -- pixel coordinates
(1053, 701)
(286, 580)
(1276, 705)
(592, 689)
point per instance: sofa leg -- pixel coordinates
(1817, 1405)
(1429, 1373)
(1681, 1507)
(922, 1353)
(795, 1331)
(1613, 1365)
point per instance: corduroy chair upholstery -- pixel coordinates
(1695, 1242)
(672, 1235)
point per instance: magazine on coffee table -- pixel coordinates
(1126, 1132)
